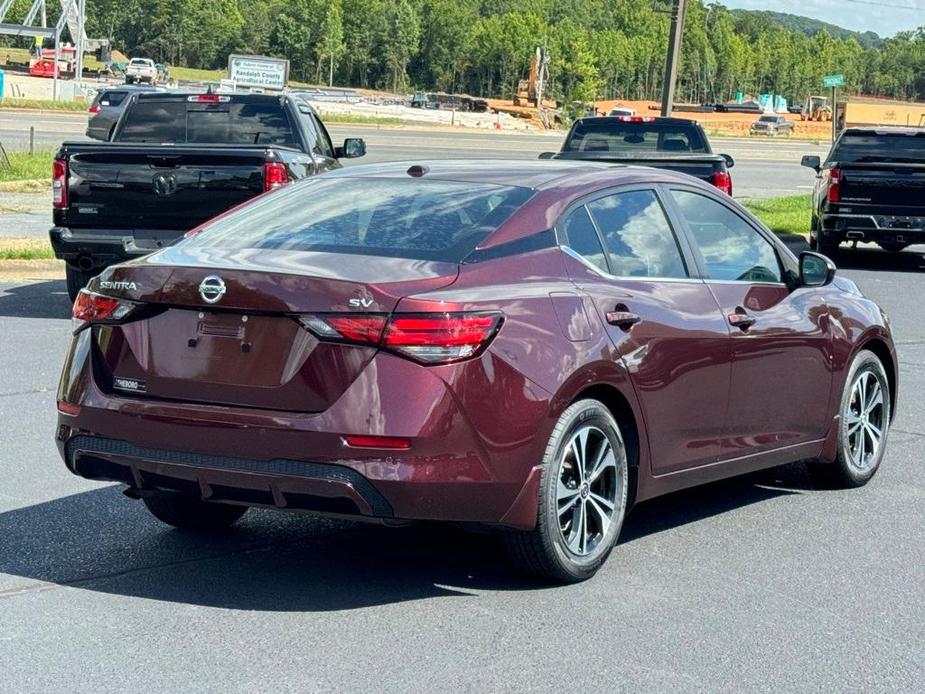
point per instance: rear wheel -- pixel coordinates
(77, 279)
(190, 513)
(583, 497)
(819, 243)
(892, 247)
(863, 426)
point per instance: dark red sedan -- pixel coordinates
(534, 346)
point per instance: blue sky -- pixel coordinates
(882, 16)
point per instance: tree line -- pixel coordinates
(599, 49)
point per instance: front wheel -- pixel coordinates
(583, 497)
(187, 512)
(863, 426)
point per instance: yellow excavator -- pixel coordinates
(817, 108)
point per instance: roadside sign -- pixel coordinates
(833, 81)
(258, 71)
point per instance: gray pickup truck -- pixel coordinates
(677, 144)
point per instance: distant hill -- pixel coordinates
(811, 27)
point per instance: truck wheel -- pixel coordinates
(863, 426)
(186, 512)
(892, 247)
(583, 497)
(77, 279)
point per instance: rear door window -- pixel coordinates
(583, 239)
(397, 218)
(640, 241)
(732, 249)
(112, 98)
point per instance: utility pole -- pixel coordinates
(674, 55)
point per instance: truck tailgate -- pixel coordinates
(145, 187)
(898, 187)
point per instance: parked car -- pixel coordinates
(870, 189)
(622, 111)
(772, 126)
(141, 70)
(106, 108)
(532, 346)
(174, 161)
(676, 144)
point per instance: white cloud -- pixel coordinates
(886, 21)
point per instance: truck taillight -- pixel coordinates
(274, 175)
(59, 183)
(835, 185)
(636, 119)
(427, 338)
(95, 108)
(723, 181)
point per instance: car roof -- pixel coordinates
(884, 130)
(537, 174)
(650, 120)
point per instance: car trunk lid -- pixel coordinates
(249, 348)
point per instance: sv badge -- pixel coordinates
(360, 303)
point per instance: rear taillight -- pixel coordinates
(59, 183)
(428, 338)
(397, 443)
(95, 108)
(835, 185)
(723, 181)
(274, 175)
(91, 307)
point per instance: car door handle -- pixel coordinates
(623, 319)
(742, 321)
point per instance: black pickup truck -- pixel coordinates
(871, 188)
(664, 143)
(174, 161)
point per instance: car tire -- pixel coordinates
(863, 425)
(187, 512)
(893, 247)
(583, 495)
(77, 279)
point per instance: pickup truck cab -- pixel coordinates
(175, 161)
(141, 70)
(676, 144)
(870, 188)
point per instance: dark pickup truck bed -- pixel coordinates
(176, 161)
(677, 144)
(870, 188)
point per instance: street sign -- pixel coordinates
(833, 81)
(258, 71)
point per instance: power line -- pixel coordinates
(875, 3)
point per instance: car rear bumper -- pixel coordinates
(104, 247)
(453, 469)
(876, 228)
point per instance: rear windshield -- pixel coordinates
(623, 137)
(396, 218)
(768, 119)
(244, 123)
(862, 147)
(112, 98)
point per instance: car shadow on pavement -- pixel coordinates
(101, 541)
(909, 260)
(45, 299)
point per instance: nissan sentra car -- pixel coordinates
(531, 346)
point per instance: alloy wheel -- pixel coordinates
(865, 419)
(588, 484)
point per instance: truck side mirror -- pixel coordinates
(730, 162)
(811, 162)
(353, 147)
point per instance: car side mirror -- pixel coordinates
(815, 270)
(353, 147)
(811, 162)
(730, 162)
(547, 155)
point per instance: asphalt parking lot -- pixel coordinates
(761, 584)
